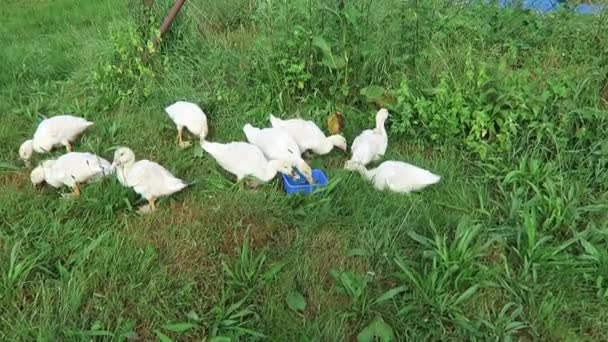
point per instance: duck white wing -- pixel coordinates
(64, 127)
(305, 133)
(368, 146)
(382, 145)
(276, 122)
(251, 132)
(189, 115)
(101, 167)
(150, 179)
(58, 130)
(403, 177)
(276, 143)
(239, 158)
(79, 167)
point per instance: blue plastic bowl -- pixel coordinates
(299, 185)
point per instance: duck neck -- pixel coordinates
(325, 146)
(380, 127)
(369, 174)
(366, 173)
(359, 168)
(122, 170)
(127, 166)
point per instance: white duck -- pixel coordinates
(190, 116)
(371, 144)
(395, 176)
(277, 144)
(309, 136)
(147, 178)
(60, 130)
(71, 169)
(246, 160)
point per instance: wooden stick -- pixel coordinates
(177, 6)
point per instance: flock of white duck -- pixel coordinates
(272, 150)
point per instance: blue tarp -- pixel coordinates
(539, 5)
(589, 8)
(544, 6)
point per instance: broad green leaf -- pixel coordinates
(235, 306)
(589, 248)
(467, 294)
(220, 339)
(372, 92)
(421, 239)
(100, 333)
(333, 62)
(376, 329)
(241, 313)
(130, 335)
(357, 252)
(406, 310)
(179, 327)
(162, 337)
(8, 166)
(193, 316)
(249, 332)
(389, 294)
(408, 273)
(352, 14)
(514, 326)
(229, 322)
(273, 271)
(322, 44)
(296, 301)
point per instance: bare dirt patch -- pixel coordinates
(16, 179)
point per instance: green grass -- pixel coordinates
(504, 105)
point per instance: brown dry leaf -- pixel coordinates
(336, 122)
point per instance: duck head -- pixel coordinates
(123, 156)
(283, 167)
(338, 141)
(26, 150)
(38, 174)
